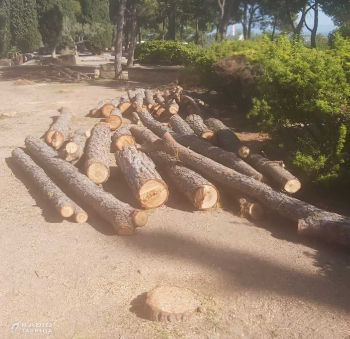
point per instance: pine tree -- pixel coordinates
(5, 37)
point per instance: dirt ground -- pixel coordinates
(254, 280)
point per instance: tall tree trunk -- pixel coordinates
(53, 52)
(225, 20)
(297, 29)
(244, 22)
(133, 35)
(197, 33)
(163, 32)
(314, 29)
(127, 35)
(274, 28)
(119, 40)
(252, 10)
(172, 20)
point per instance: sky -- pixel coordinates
(325, 24)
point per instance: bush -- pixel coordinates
(166, 52)
(99, 36)
(308, 90)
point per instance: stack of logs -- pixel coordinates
(174, 140)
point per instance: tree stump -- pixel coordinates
(171, 303)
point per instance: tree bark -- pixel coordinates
(245, 21)
(190, 105)
(172, 20)
(180, 126)
(198, 190)
(115, 119)
(119, 40)
(149, 99)
(226, 10)
(97, 153)
(138, 102)
(122, 216)
(315, 27)
(48, 188)
(125, 104)
(59, 130)
(199, 128)
(74, 149)
(276, 172)
(311, 220)
(274, 28)
(228, 140)
(121, 138)
(135, 119)
(133, 33)
(204, 147)
(142, 177)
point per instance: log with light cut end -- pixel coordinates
(251, 210)
(80, 216)
(97, 153)
(107, 109)
(277, 173)
(142, 177)
(59, 130)
(180, 126)
(125, 104)
(172, 108)
(135, 119)
(49, 189)
(198, 190)
(95, 112)
(228, 139)
(149, 101)
(74, 149)
(171, 303)
(138, 102)
(115, 119)
(202, 146)
(122, 216)
(199, 128)
(159, 98)
(121, 138)
(311, 220)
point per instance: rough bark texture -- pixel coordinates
(228, 139)
(121, 138)
(122, 216)
(51, 192)
(131, 94)
(138, 102)
(180, 126)
(274, 171)
(172, 108)
(142, 177)
(119, 40)
(171, 303)
(311, 220)
(74, 149)
(115, 119)
(59, 130)
(201, 146)
(198, 126)
(125, 104)
(149, 99)
(135, 119)
(190, 104)
(198, 190)
(97, 153)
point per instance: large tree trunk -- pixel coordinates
(74, 149)
(311, 220)
(274, 171)
(51, 192)
(97, 153)
(199, 128)
(59, 130)
(245, 21)
(228, 159)
(114, 119)
(228, 140)
(121, 138)
(180, 126)
(315, 27)
(133, 33)
(172, 20)
(225, 17)
(142, 177)
(122, 216)
(119, 40)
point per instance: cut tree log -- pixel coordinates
(125, 104)
(199, 128)
(59, 130)
(138, 101)
(131, 94)
(122, 216)
(198, 190)
(97, 153)
(121, 138)
(142, 177)
(172, 108)
(107, 109)
(311, 220)
(202, 146)
(150, 102)
(171, 303)
(190, 104)
(115, 119)
(65, 206)
(180, 126)
(228, 139)
(74, 149)
(274, 171)
(135, 119)
(250, 210)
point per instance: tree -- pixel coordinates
(24, 25)
(5, 37)
(51, 26)
(133, 32)
(119, 40)
(252, 14)
(313, 30)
